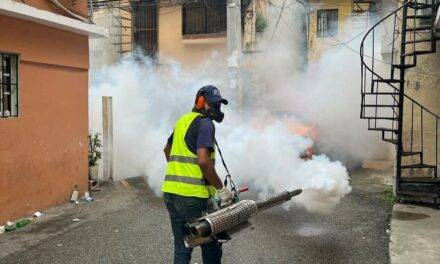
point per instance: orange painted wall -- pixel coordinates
(43, 152)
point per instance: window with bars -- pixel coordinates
(327, 23)
(8, 85)
(145, 26)
(204, 17)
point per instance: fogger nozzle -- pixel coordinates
(276, 199)
(203, 229)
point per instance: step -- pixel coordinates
(387, 80)
(420, 184)
(381, 93)
(381, 106)
(405, 66)
(417, 41)
(418, 166)
(393, 141)
(419, 17)
(384, 129)
(429, 180)
(427, 194)
(381, 118)
(419, 6)
(416, 53)
(411, 153)
(419, 197)
(419, 28)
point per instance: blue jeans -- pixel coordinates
(183, 209)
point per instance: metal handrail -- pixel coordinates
(361, 53)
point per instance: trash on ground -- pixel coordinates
(75, 220)
(37, 214)
(74, 197)
(2, 229)
(10, 226)
(87, 197)
(94, 185)
(22, 222)
(125, 183)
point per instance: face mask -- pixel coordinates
(214, 113)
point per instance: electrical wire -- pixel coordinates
(278, 20)
(70, 12)
(344, 44)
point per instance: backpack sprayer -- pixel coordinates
(224, 220)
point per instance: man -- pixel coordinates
(191, 178)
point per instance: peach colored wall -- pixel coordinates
(77, 6)
(187, 51)
(43, 152)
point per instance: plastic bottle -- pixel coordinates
(74, 197)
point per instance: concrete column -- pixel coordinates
(107, 138)
(234, 45)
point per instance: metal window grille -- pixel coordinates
(8, 85)
(327, 23)
(204, 17)
(145, 26)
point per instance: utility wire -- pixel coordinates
(278, 21)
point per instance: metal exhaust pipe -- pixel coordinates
(207, 227)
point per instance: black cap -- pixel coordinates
(212, 94)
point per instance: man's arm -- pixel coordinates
(207, 167)
(167, 151)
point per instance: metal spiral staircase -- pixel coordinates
(387, 107)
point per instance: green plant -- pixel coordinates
(94, 149)
(260, 22)
(389, 194)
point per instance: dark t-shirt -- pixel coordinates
(200, 134)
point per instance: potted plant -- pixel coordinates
(94, 155)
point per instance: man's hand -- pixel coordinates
(225, 196)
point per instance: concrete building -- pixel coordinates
(162, 29)
(333, 21)
(116, 17)
(185, 33)
(44, 103)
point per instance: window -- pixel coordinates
(327, 23)
(145, 26)
(8, 85)
(204, 17)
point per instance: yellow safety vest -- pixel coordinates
(183, 175)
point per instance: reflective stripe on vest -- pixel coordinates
(188, 159)
(183, 176)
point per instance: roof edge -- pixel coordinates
(30, 13)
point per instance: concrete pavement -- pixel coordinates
(415, 233)
(128, 224)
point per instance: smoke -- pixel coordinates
(263, 139)
(261, 152)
